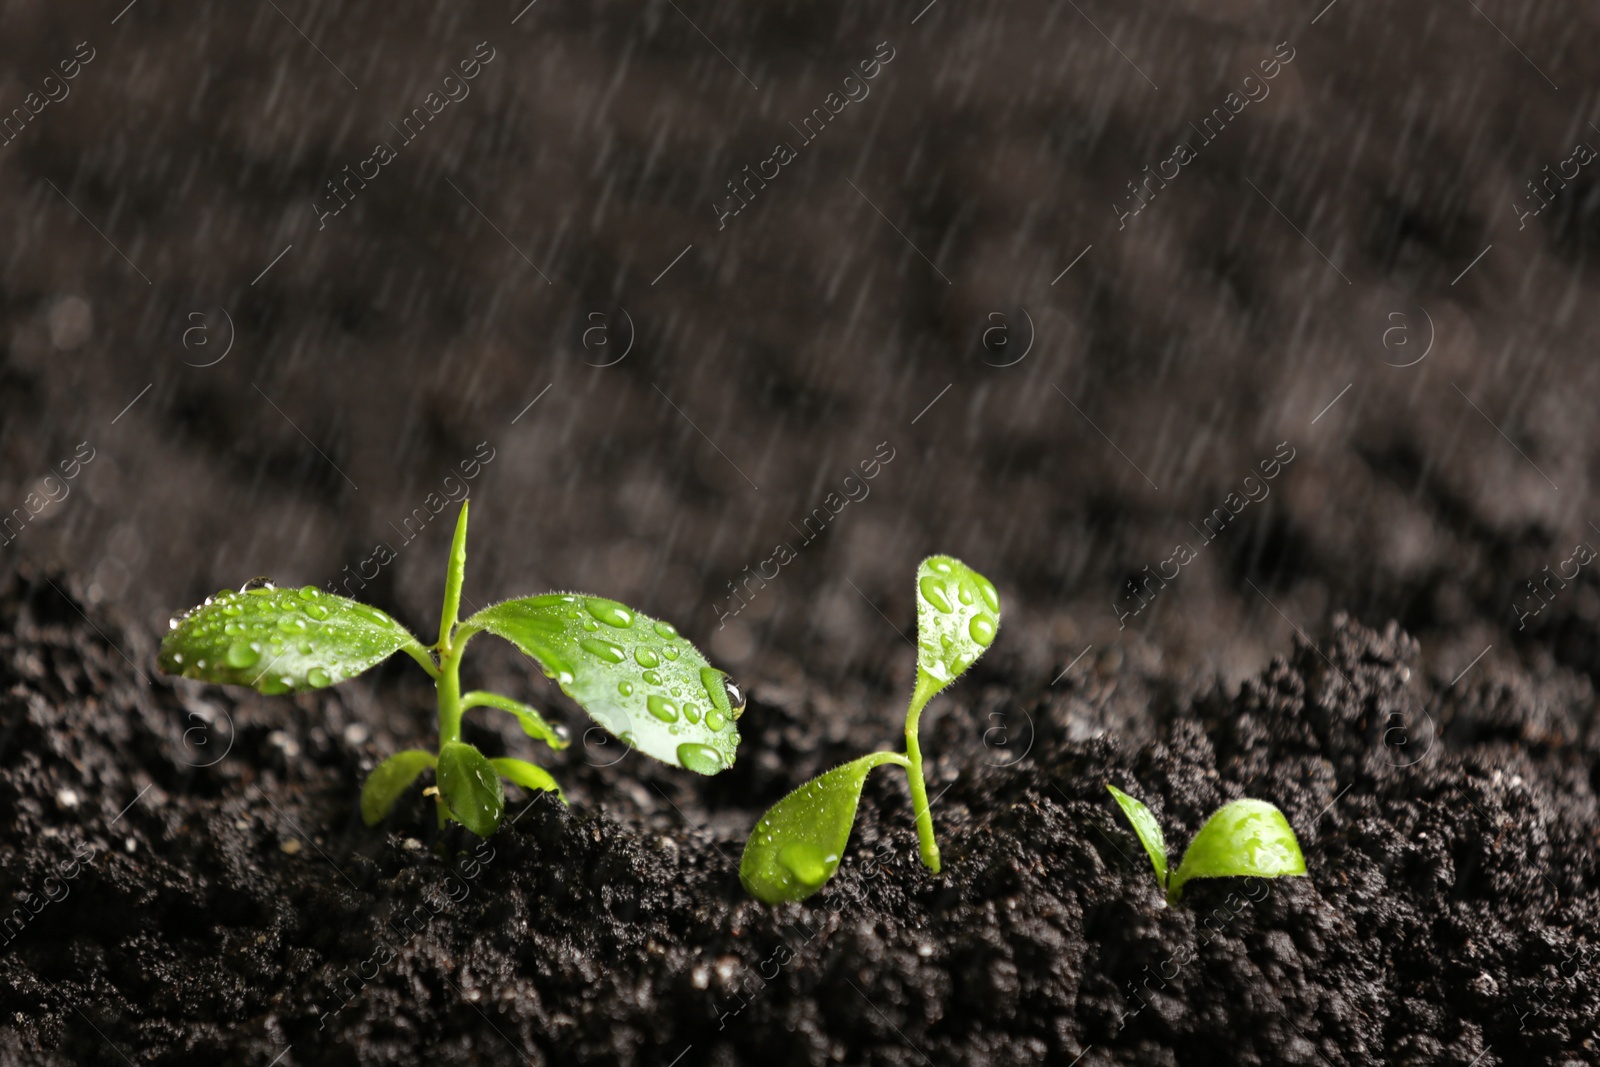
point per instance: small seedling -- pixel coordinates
(1244, 839)
(634, 676)
(796, 846)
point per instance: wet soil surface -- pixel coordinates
(222, 914)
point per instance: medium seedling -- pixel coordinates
(635, 676)
(1244, 839)
(796, 846)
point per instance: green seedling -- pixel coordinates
(1244, 839)
(635, 676)
(796, 846)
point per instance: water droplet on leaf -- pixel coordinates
(608, 611)
(606, 650)
(702, 759)
(933, 592)
(663, 709)
(241, 655)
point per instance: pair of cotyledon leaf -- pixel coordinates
(1243, 839)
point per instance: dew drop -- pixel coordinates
(715, 720)
(987, 590)
(651, 677)
(602, 649)
(964, 594)
(691, 712)
(666, 629)
(257, 585)
(318, 611)
(172, 623)
(625, 688)
(670, 651)
(807, 863)
(662, 708)
(933, 592)
(608, 611)
(702, 759)
(308, 592)
(241, 655)
(982, 629)
(292, 624)
(645, 657)
(590, 625)
(317, 677)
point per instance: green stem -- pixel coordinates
(449, 686)
(926, 687)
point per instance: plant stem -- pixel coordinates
(449, 686)
(919, 787)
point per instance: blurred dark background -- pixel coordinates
(268, 389)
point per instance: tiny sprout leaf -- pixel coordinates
(1247, 838)
(796, 846)
(1146, 829)
(388, 780)
(634, 675)
(471, 788)
(280, 640)
(533, 723)
(958, 614)
(528, 775)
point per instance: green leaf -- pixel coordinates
(1247, 838)
(633, 675)
(281, 640)
(1146, 829)
(528, 775)
(958, 614)
(796, 846)
(533, 723)
(470, 787)
(388, 780)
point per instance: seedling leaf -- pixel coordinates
(1247, 838)
(470, 787)
(528, 775)
(533, 723)
(280, 640)
(623, 668)
(795, 848)
(388, 780)
(958, 614)
(1146, 829)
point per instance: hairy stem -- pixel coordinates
(926, 687)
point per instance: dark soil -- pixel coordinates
(1449, 915)
(187, 877)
